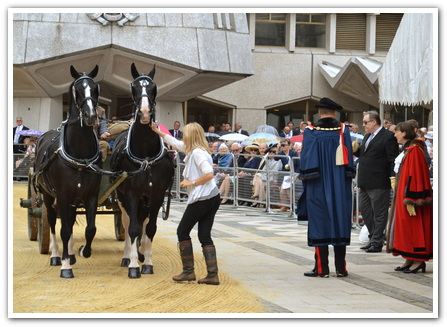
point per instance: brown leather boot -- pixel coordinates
(209, 252)
(187, 256)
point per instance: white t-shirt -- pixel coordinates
(197, 164)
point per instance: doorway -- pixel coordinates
(207, 113)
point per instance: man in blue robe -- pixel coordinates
(327, 170)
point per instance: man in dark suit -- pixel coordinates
(287, 133)
(18, 139)
(376, 160)
(176, 132)
(238, 129)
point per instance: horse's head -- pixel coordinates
(144, 91)
(85, 93)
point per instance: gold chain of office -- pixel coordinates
(327, 128)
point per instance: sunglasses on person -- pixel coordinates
(285, 144)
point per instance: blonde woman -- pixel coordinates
(203, 201)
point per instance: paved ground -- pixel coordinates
(269, 256)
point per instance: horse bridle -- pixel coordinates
(84, 78)
(145, 83)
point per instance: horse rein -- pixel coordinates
(145, 163)
(144, 85)
(84, 79)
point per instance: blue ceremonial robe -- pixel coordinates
(326, 199)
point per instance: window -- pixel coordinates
(402, 113)
(351, 32)
(270, 29)
(386, 28)
(310, 30)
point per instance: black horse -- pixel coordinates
(66, 173)
(142, 153)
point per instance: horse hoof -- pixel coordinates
(84, 253)
(125, 262)
(55, 261)
(147, 269)
(134, 273)
(67, 273)
(72, 259)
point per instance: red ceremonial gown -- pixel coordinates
(412, 236)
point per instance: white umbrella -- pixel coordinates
(259, 138)
(233, 137)
(266, 129)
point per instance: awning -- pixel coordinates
(358, 78)
(406, 77)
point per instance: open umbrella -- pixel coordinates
(223, 132)
(233, 137)
(259, 138)
(356, 136)
(30, 133)
(297, 138)
(212, 137)
(266, 129)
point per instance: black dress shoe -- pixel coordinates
(414, 271)
(312, 273)
(373, 249)
(403, 268)
(342, 274)
(365, 247)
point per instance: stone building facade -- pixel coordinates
(210, 67)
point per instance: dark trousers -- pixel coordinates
(374, 205)
(322, 259)
(203, 213)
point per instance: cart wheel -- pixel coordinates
(119, 229)
(32, 221)
(44, 231)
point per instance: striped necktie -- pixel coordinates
(369, 140)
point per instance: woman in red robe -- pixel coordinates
(410, 225)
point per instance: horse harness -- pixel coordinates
(144, 163)
(79, 164)
(144, 84)
(84, 78)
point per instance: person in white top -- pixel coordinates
(203, 201)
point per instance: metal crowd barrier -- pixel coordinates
(241, 190)
(21, 164)
(240, 186)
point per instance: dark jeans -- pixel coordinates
(201, 212)
(374, 204)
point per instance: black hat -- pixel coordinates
(328, 104)
(272, 146)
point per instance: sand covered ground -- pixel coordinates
(102, 286)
